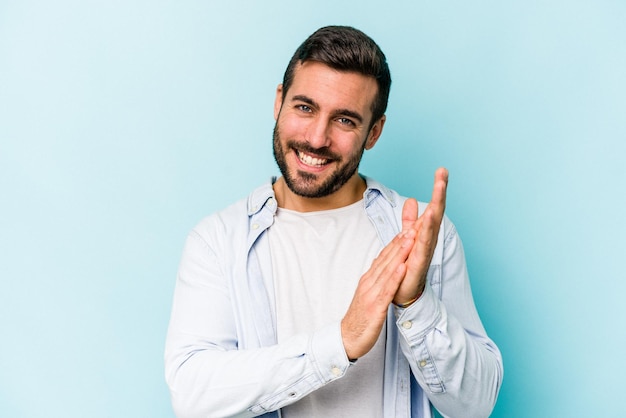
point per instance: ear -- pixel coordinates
(278, 101)
(375, 132)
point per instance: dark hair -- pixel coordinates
(345, 48)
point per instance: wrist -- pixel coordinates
(404, 305)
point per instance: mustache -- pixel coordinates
(323, 152)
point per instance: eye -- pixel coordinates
(346, 122)
(304, 108)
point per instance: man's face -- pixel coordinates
(322, 128)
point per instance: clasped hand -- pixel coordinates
(398, 274)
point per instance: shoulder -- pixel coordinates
(235, 217)
(393, 201)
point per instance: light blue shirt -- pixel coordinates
(222, 358)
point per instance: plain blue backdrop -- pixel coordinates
(123, 123)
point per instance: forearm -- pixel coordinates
(215, 365)
(213, 381)
(460, 372)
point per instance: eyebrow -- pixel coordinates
(345, 112)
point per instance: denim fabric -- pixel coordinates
(222, 358)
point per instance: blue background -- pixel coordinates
(123, 123)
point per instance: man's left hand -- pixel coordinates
(427, 229)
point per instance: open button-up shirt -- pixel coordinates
(222, 358)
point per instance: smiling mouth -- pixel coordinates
(311, 161)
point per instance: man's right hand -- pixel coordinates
(367, 313)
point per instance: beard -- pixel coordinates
(307, 184)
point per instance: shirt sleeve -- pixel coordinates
(456, 364)
(209, 376)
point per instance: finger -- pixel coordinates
(392, 256)
(437, 204)
(431, 221)
(403, 240)
(409, 214)
(440, 186)
(427, 231)
(421, 253)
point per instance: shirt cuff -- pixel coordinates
(414, 323)
(329, 354)
(421, 316)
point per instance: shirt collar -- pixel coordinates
(264, 195)
(261, 197)
(374, 189)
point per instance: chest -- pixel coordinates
(317, 261)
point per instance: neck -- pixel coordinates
(349, 193)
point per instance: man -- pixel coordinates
(324, 294)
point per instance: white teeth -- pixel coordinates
(312, 161)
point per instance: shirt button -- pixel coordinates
(336, 371)
(407, 324)
(255, 226)
(423, 363)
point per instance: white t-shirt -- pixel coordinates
(318, 259)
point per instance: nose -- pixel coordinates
(318, 133)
